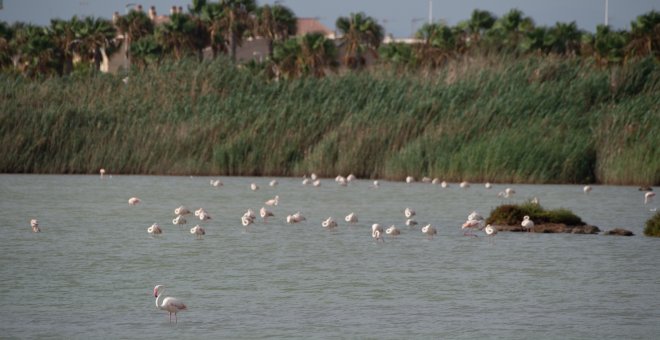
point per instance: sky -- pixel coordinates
(400, 18)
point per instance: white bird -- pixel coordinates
(464, 184)
(429, 230)
(134, 201)
(179, 220)
(586, 189)
(435, 181)
(102, 172)
(265, 213)
(204, 216)
(490, 230)
(329, 223)
(125, 80)
(411, 222)
(317, 183)
(341, 180)
(295, 218)
(648, 197)
(350, 178)
(351, 218)
(409, 213)
(216, 183)
(474, 221)
(34, 223)
(426, 179)
(527, 223)
(198, 231)
(306, 180)
(392, 231)
(377, 232)
(273, 183)
(410, 179)
(273, 201)
(254, 187)
(488, 185)
(313, 177)
(444, 184)
(155, 229)
(181, 210)
(199, 211)
(376, 185)
(509, 192)
(250, 214)
(246, 220)
(169, 304)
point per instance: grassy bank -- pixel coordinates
(532, 120)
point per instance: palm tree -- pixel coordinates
(509, 31)
(534, 40)
(176, 36)
(478, 24)
(397, 54)
(232, 20)
(63, 34)
(276, 23)
(312, 54)
(6, 48)
(212, 16)
(146, 51)
(95, 35)
(360, 33)
(563, 39)
(645, 36)
(134, 26)
(609, 45)
(437, 46)
(38, 53)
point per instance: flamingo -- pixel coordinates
(295, 218)
(350, 178)
(444, 184)
(265, 213)
(392, 231)
(204, 216)
(246, 220)
(169, 304)
(155, 229)
(435, 181)
(474, 221)
(490, 230)
(409, 213)
(586, 189)
(329, 223)
(34, 223)
(488, 185)
(273, 183)
(410, 179)
(250, 214)
(102, 172)
(527, 223)
(179, 220)
(198, 231)
(426, 179)
(313, 177)
(351, 218)
(464, 184)
(306, 180)
(216, 183)
(429, 230)
(341, 180)
(376, 185)
(199, 211)
(411, 222)
(134, 201)
(317, 183)
(648, 197)
(254, 187)
(273, 201)
(377, 232)
(181, 210)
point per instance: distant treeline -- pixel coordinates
(533, 119)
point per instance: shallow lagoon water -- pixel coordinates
(91, 272)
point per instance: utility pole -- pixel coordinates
(606, 12)
(431, 11)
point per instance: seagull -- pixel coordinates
(527, 223)
(429, 230)
(134, 201)
(198, 231)
(169, 304)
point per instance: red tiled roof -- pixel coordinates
(311, 25)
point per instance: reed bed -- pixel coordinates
(532, 120)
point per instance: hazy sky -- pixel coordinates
(399, 17)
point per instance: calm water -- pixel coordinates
(91, 272)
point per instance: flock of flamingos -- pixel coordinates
(474, 222)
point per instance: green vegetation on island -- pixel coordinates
(653, 226)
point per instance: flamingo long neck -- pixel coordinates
(159, 299)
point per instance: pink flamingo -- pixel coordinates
(169, 304)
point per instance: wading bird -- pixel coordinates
(169, 304)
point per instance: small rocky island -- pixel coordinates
(510, 217)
